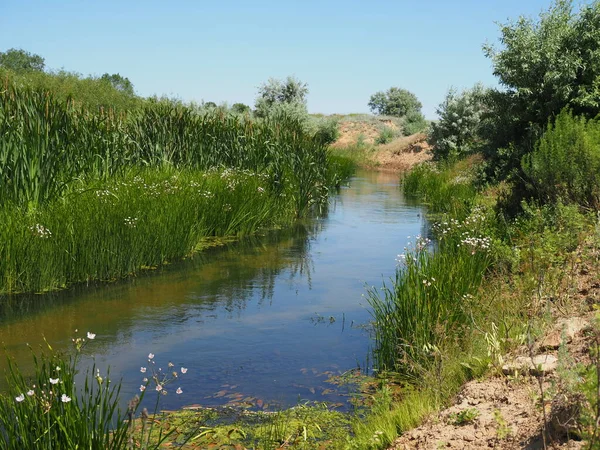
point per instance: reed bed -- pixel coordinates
(98, 195)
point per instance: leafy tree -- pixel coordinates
(457, 130)
(20, 60)
(120, 83)
(240, 108)
(394, 102)
(209, 104)
(543, 66)
(277, 92)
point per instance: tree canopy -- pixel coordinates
(120, 83)
(394, 102)
(19, 60)
(290, 91)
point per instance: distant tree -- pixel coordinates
(20, 60)
(119, 82)
(240, 108)
(277, 92)
(209, 104)
(394, 102)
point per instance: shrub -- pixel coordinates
(385, 135)
(275, 93)
(326, 130)
(565, 164)
(543, 65)
(414, 122)
(457, 130)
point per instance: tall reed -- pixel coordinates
(430, 298)
(46, 144)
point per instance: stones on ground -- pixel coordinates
(538, 365)
(565, 330)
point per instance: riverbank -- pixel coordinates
(536, 301)
(96, 195)
(531, 338)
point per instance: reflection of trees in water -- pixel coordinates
(226, 277)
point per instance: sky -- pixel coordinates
(223, 50)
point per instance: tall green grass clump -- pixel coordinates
(48, 411)
(429, 300)
(105, 230)
(565, 164)
(442, 189)
(46, 144)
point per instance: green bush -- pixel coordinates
(326, 130)
(565, 164)
(394, 102)
(543, 64)
(414, 122)
(457, 130)
(385, 135)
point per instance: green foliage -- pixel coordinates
(93, 93)
(458, 129)
(275, 93)
(120, 83)
(544, 66)
(463, 417)
(565, 164)
(385, 135)
(394, 102)
(73, 184)
(427, 301)
(111, 229)
(49, 411)
(240, 108)
(19, 60)
(326, 129)
(443, 190)
(414, 122)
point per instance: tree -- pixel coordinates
(457, 130)
(120, 83)
(394, 102)
(275, 92)
(240, 108)
(543, 66)
(20, 60)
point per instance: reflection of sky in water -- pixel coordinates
(253, 314)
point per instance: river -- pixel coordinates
(263, 321)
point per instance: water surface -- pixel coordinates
(264, 320)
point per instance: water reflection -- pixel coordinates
(271, 315)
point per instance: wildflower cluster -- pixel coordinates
(476, 244)
(421, 245)
(131, 222)
(40, 231)
(160, 378)
(104, 195)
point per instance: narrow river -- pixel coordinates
(263, 321)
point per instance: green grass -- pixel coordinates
(108, 230)
(428, 300)
(443, 190)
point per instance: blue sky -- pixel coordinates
(223, 50)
